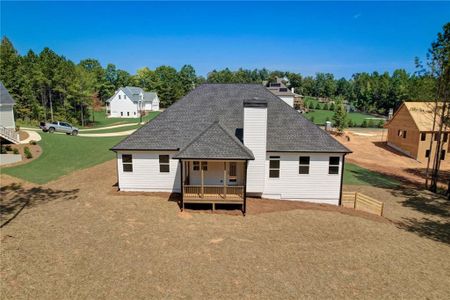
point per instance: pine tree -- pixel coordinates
(340, 117)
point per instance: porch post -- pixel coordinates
(225, 180)
(182, 185)
(201, 172)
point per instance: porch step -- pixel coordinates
(9, 135)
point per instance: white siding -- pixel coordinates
(146, 176)
(317, 186)
(124, 105)
(214, 174)
(288, 99)
(255, 138)
(148, 106)
(7, 116)
(155, 104)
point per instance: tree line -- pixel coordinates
(48, 86)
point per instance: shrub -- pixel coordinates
(16, 151)
(332, 106)
(3, 149)
(364, 124)
(370, 124)
(27, 153)
(350, 123)
(318, 105)
(380, 124)
(33, 142)
(17, 128)
(311, 105)
(312, 119)
(326, 106)
(8, 148)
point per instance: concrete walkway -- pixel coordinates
(32, 136)
(108, 134)
(110, 127)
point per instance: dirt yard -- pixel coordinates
(371, 151)
(78, 238)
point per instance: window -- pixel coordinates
(196, 166)
(445, 138)
(204, 165)
(334, 165)
(121, 113)
(400, 133)
(275, 84)
(164, 166)
(435, 137)
(120, 97)
(303, 165)
(134, 113)
(442, 154)
(423, 136)
(128, 113)
(127, 162)
(427, 153)
(404, 134)
(274, 167)
(283, 89)
(124, 96)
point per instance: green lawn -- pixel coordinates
(356, 175)
(62, 155)
(320, 116)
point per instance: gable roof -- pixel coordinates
(216, 142)
(133, 93)
(178, 125)
(5, 97)
(422, 114)
(278, 88)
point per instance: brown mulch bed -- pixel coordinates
(23, 135)
(36, 151)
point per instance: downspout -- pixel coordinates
(342, 179)
(245, 189)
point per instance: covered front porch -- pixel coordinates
(214, 168)
(213, 182)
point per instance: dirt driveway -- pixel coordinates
(371, 151)
(78, 238)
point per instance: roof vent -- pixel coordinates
(255, 102)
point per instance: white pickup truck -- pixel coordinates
(59, 127)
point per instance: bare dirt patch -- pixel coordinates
(84, 242)
(371, 151)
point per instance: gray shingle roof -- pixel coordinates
(5, 97)
(133, 93)
(216, 142)
(177, 126)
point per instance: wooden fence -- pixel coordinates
(362, 202)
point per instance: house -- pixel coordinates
(7, 123)
(410, 130)
(131, 102)
(223, 142)
(280, 90)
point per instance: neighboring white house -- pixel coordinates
(280, 90)
(7, 122)
(224, 142)
(130, 102)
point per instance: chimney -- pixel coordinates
(255, 138)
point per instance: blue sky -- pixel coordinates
(341, 38)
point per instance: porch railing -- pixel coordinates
(213, 192)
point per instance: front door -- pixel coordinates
(232, 173)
